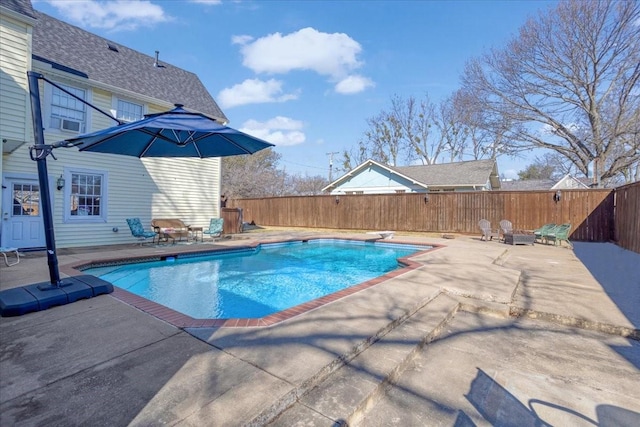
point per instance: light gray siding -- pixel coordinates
(147, 188)
(15, 59)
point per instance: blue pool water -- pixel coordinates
(256, 283)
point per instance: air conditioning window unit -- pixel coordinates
(71, 125)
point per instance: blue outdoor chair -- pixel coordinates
(215, 227)
(137, 230)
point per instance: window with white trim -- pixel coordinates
(66, 112)
(85, 196)
(128, 111)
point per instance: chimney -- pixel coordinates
(155, 63)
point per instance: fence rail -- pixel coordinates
(592, 213)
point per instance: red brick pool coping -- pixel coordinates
(181, 320)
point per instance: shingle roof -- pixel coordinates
(473, 172)
(545, 184)
(528, 185)
(72, 47)
(20, 6)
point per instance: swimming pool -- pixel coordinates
(256, 282)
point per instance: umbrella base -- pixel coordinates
(41, 296)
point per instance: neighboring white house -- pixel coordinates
(567, 182)
(100, 190)
(372, 177)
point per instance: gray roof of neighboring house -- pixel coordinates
(528, 185)
(78, 51)
(543, 184)
(460, 174)
(22, 7)
(472, 172)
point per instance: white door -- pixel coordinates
(22, 225)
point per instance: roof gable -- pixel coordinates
(569, 181)
(85, 53)
(23, 7)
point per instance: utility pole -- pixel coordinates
(331, 164)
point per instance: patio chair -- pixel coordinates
(487, 232)
(215, 227)
(505, 227)
(6, 251)
(137, 230)
(545, 229)
(558, 234)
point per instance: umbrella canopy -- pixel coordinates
(175, 133)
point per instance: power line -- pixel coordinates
(300, 164)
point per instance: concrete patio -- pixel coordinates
(482, 333)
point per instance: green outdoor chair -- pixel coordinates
(137, 230)
(545, 229)
(558, 234)
(215, 227)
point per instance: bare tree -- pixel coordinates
(454, 131)
(253, 175)
(569, 83)
(416, 120)
(403, 133)
(306, 185)
(485, 131)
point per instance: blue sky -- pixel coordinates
(306, 75)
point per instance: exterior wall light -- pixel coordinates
(60, 183)
(557, 196)
(426, 198)
(337, 200)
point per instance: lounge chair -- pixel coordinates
(6, 251)
(487, 232)
(505, 227)
(137, 230)
(558, 234)
(545, 229)
(215, 227)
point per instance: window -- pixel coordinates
(67, 113)
(26, 200)
(86, 196)
(128, 111)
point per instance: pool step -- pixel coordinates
(344, 396)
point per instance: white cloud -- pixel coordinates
(281, 131)
(353, 84)
(241, 40)
(253, 91)
(211, 2)
(510, 174)
(111, 15)
(334, 55)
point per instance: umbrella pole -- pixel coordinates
(39, 153)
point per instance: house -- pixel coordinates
(92, 193)
(372, 177)
(567, 182)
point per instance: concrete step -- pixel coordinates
(344, 397)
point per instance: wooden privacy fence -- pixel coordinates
(590, 212)
(627, 219)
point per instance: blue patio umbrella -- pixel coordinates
(175, 133)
